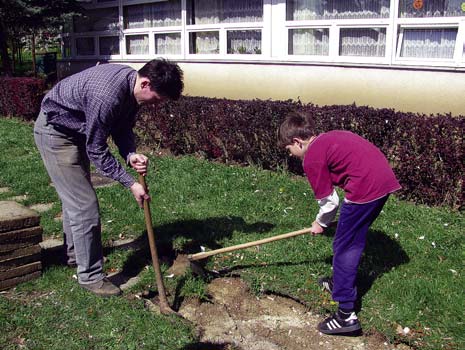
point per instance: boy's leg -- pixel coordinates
(349, 243)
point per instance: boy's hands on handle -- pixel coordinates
(316, 228)
(139, 163)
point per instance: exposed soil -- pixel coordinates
(236, 319)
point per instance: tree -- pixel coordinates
(29, 17)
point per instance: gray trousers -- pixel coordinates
(68, 166)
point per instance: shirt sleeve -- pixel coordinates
(319, 178)
(328, 209)
(99, 119)
(125, 141)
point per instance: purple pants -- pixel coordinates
(349, 242)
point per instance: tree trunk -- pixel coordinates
(33, 49)
(6, 62)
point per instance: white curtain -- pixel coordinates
(168, 44)
(431, 8)
(309, 42)
(137, 44)
(245, 42)
(429, 43)
(98, 19)
(366, 42)
(165, 14)
(225, 11)
(298, 10)
(205, 42)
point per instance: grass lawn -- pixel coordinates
(411, 274)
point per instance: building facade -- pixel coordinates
(402, 54)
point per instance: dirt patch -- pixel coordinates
(236, 317)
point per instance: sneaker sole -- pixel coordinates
(344, 330)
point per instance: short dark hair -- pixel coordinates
(296, 124)
(165, 77)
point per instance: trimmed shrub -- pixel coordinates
(426, 152)
(21, 97)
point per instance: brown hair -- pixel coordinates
(166, 78)
(296, 124)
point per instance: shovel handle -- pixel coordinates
(204, 255)
(164, 305)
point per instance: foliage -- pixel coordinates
(21, 97)
(426, 152)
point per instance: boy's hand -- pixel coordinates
(316, 228)
(139, 162)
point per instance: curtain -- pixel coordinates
(245, 42)
(366, 42)
(430, 8)
(205, 42)
(298, 10)
(137, 44)
(98, 20)
(429, 43)
(309, 42)
(225, 11)
(168, 44)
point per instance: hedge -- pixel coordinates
(21, 97)
(426, 152)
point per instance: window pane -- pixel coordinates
(85, 46)
(224, 11)
(204, 42)
(430, 8)
(245, 42)
(66, 49)
(168, 44)
(137, 44)
(429, 43)
(160, 14)
(98, 19)
(309, 42)
(109, 45)
(166, 13)
(367, 42)
(298, 10)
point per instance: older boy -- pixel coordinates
(76, 118)
(341, 159)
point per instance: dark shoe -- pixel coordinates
(103, 288)
(326, 283)
(337, 325)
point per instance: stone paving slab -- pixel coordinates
(6, 265)
(6, 284)
(14, 216)
(21, 271)
(19, 253)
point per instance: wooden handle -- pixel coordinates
(164, 305)
(204, 255)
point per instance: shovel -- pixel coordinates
(165, 308)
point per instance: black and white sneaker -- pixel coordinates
(326, 283)
(337, 325)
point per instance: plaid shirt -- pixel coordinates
(98, 102)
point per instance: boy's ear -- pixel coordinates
(297, 140)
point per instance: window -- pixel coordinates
(168, 43)
(137, 44)
(429, 43)
(224, 11)
(98, 20)
(66, 46)
(204, 42)
(85, 46)
(309, 41)
(367, 42)
(109, 45)
(430, 8)
(298, 10)
(245, 42)
(160, 14)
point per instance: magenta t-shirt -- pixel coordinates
(346, 160)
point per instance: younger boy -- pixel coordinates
(341, 159)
